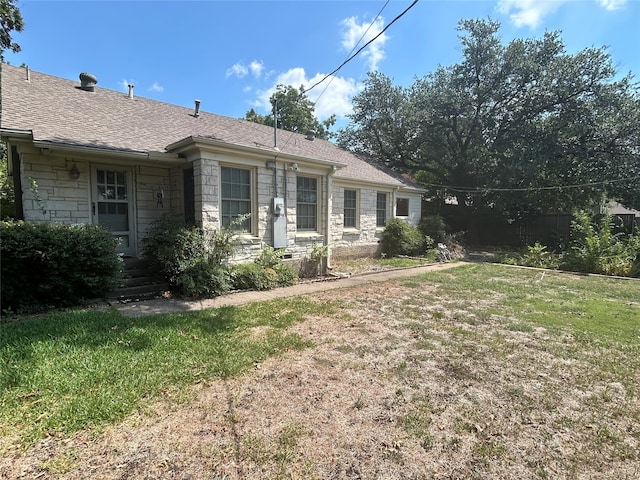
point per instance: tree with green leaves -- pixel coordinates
(294, 112)
(10, 21)
(7, 195)
(520, 128)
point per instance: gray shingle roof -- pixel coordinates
(57, 110)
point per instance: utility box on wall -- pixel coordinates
(280, 239)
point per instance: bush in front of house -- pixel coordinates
(265, 272)
(401, 238)
(47, 265)
(193, 260)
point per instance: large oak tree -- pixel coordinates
(519, 128)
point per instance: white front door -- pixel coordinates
(112, 204)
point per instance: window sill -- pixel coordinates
(309, 236)
(248, 239)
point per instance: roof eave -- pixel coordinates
(191, 142)
(111, 152)
(10, 134)
(373, 183)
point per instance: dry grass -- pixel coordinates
(409, 381)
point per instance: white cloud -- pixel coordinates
(256, 68)
(238, 70)
(530, 13)
(156, 88)
(355, 35)
(334, 93)
(612, 4)
(241, 70)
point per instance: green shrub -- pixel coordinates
(433, 226)
(251, 276)
(193, 260)
(265, 272)
(401, 238)
(203, 279)
(538, 256)
(594, 248)
(53, 265)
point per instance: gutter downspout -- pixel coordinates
(329, 204)
(394, 201)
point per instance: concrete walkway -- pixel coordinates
(172, 305)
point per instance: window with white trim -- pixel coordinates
(350, 209)
(402, 207)
(307, 203)
(381, 209)
(235, 187)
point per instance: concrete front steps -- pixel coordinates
(138, 282)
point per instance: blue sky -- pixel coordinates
(232, 54)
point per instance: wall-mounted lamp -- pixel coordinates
(74, 172)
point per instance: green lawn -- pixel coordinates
(81, 369)
(68, 371)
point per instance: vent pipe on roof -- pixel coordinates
(275, 123)
(196, 112)
(311, 134)
(130, 90)
(28, 74)
(88, 82)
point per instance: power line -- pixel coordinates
(363, 47)
(352, 50)
(460, 189)
(353, 55)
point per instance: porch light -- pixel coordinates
(74, 172)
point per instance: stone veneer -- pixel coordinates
(67, 200)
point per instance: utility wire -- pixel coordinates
(363, 47)
(351, 52)
(459, 189)
(353, 55)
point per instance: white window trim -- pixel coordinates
(308, 231)
(253, 220)
(387, 208)
(356, 227)
(408, 207)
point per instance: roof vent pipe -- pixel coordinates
(88, 82)
(28, 74)
(311, 134)
(130, 91)
(196, 113)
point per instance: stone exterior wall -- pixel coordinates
(55, 196)
(267, 184)
(60, 198)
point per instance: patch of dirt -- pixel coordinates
(399, 386)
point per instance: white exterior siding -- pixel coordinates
(415, 208)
